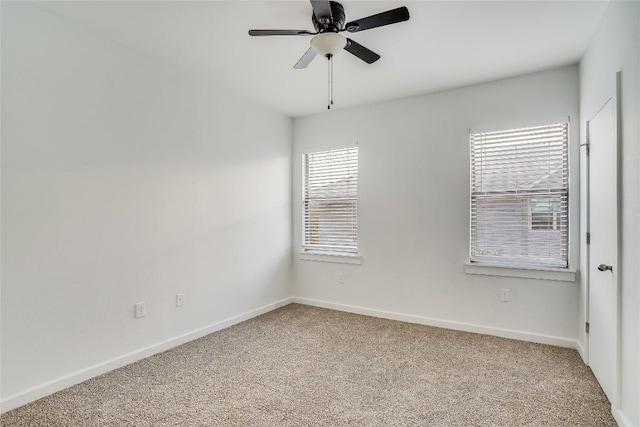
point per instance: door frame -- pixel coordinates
(616, 100)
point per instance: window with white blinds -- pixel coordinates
(519, 197)
(330, 204)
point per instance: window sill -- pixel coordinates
(559, 274)
(331, 257)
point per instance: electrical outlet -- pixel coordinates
(340, 278)
(141, 310)
(179, 300)
(504, 295)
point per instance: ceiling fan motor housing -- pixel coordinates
(332, 25)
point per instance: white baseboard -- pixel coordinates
(35, 393)
(447, 324)
(582, 352)
(620, 418)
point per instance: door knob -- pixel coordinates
(605, 267)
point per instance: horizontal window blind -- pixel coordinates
(520, 196)
(330, 217)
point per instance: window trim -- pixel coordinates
(544, 273)
(340, 258)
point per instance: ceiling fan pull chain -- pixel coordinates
(328, 81)
(331, 60)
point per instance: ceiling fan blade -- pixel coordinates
(322, 10)
(280, 33)
(385, 18)
(361, 52)
(306, 59)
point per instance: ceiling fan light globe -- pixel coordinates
(328, 43)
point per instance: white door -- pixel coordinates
(603, 249)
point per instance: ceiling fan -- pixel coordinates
(328, 19)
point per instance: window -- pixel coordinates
(330, 204)
(519, 197)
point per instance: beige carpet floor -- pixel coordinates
(305, 366)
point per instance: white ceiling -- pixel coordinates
(445, 44)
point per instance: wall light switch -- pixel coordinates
(504, 295)
(340, 278)
(179, 300)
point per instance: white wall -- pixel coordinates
(414, 209)
(616, 47)
(126, 179)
